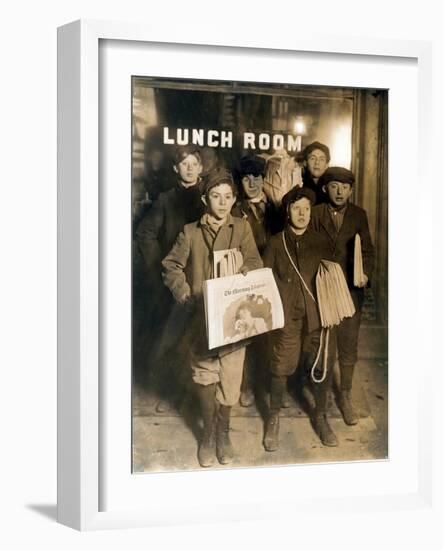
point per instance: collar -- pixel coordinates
(183, 185)
(292, 236)
(260, 198)
(205, 220)
(337, 208)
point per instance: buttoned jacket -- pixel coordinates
(306, 253)
(342, 242)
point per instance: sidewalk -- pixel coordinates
(168, 441)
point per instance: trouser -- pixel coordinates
(256, 356)
(224, 370)
(169, 352)
(293, 349)
(347, 345)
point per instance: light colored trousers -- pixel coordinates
(226, 371)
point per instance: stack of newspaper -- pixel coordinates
(227, 262)
(241, 306)
(333, 297)
(359, 280)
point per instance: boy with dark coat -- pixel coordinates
(340, 221)
(155, 235)
(253, 205)
(294, 256)
(316, 158)
(216, 373)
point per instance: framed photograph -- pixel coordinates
(232, 278)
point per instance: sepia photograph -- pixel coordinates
(259, 274)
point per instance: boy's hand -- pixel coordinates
(365, 281)
(244, 270)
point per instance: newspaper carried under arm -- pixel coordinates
(359, 275)
(238, 307)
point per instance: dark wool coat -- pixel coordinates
(311, 248)
(158, 230)
(308, 181)
(355, 221)
(262, 229)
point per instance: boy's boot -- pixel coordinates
(272, 425)
(225, 451)
(324, 430)
(206, 449)
(320, 421)
(345, 404)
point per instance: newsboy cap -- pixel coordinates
(316, 145)
(250, 164)
(217, 177)
(337, 173)
(297, 193)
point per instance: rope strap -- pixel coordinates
(324, 331)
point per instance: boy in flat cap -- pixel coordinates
(294, 256)
(253, 205)
(316, 158)
(252, 202)
(217, 373)
(340, 221)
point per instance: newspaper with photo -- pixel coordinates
(238, 307)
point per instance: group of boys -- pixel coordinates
(178, 237)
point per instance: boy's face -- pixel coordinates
(219, 201)
(252, 186)
(189, 169)
(338, 192)
(300, 213)
(317, 163)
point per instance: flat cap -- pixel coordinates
(250, 164)
(337, 173)
(217, 177)
(297, 193)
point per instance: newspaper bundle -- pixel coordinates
(282, 174)
(333, 297)
(240, 306)
(227, 262)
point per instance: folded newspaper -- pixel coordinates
(238, 307)
(359, 279)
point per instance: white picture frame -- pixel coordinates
(80, 386)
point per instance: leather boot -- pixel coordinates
(270, 440)
(224, 449)
(206, 449)
(345, 405)
(272, 425)
(324, 430)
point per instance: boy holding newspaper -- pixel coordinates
(345, 225)
(217, 373)
(295, 256)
